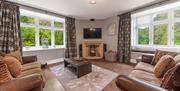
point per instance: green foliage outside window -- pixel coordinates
(58, 24)
(161, 16)
(177, 13)
(44, 22)
(28, 36)
(25, 19)
(143, 35)
(160, 34)
(177, 33)
(44, 33)
(58, 38)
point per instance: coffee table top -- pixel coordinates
(76, 62)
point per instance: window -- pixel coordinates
(160, 34)
(177, 33)
(39, 29)
(157, 27)
(143, 35)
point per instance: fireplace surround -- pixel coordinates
(92, 49)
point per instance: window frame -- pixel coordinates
(37, 27)
(170, 22)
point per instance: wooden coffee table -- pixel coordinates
(79, 68)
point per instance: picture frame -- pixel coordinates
(112, 29)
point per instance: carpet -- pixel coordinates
(98, 79)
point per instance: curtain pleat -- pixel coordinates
(124, 38)
(10, 36)
(71, 46)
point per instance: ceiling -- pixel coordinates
(81, 9)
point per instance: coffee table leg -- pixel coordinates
(65, 63)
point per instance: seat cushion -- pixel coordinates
(30, 71)
(146, 76)
(159, 54)
(5, 75)
(164, 64)
(145, 67)
(31, 66)
(13, 65)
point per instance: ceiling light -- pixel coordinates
(93, 2)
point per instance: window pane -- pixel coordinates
(58, 38)
(162, 16)
(177, 33)
(177, 13)
(160, 34)
(58, 24)
(143, 35)
(25, 19)
(28, 36)
(143, 20)
(45, 34)
(44, 22)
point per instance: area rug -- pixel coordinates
(94, 81)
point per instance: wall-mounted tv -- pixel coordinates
(95, 33)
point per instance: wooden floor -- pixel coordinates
(52, 84)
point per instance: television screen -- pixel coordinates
(94, 33)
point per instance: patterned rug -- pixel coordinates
(94, 81)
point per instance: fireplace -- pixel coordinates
(92, 50)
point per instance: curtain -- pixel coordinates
(10, 36)
(71, 47)
(124, 38)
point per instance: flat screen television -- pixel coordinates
(95, 33)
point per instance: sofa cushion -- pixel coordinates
(30, 71)
(164, 64)
(31, 66)
(159, 54)
(145, 67)
(146, 76)
(177, 58)
(13, 64)
(17, 55)
(5, 75)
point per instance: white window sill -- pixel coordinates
(153, 48)
(27, 49)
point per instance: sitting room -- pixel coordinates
(89, 45)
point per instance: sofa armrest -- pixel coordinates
(126, 83)
(28, 83)
(147, 58)
(29, 59)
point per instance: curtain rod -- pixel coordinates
(36, 9)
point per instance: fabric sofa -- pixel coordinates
(142, 78)
(31, 78)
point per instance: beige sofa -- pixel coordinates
(31, 78)
(142, 78)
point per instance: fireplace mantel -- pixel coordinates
(92, 49)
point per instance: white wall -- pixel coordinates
(46, 55)
(110, 40)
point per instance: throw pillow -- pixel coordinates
(177, 58)
(13, 64)
(159, 54)
(4, 73)
(165, 63)
(17, 55)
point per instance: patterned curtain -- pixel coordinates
(124, 38)
(71, 47)
(10, 39)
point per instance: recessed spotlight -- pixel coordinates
(93, 2)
